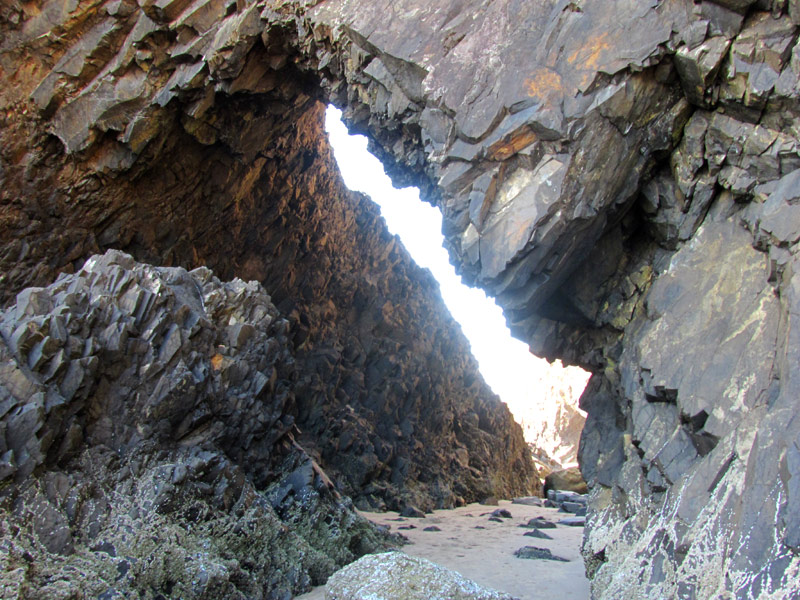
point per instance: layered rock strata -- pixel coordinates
(186, 134)
(621, 175)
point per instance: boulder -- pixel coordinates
(397, 576)
(528, 501)
(412, 512)
(575, 521)
(539, 523)
(566, 479)
(536, 533)
(534, 552)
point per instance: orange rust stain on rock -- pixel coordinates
(544, 82)
(512, 143)
(588, 56)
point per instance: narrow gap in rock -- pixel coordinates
(543, 397)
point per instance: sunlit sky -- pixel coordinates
(506, 364)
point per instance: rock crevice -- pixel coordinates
(196, 138)
(621, 176)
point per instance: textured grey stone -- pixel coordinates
(128, 446)
(698, 66)
(536, 533)
(528, 501)
(533, 552)
(396, 575)
(663, 257)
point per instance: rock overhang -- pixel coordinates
(192, 133)
(674, 123)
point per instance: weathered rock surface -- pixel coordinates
(147, 446)
(396, 576)
(539, 523)
(566, 479)
(187, 134)
(576, 521)
(538, 533)
(567, 501)
(536, 553)
(622, 176)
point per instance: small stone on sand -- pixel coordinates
(534, 552)
(537, 533)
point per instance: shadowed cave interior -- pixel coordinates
(621, 178)
(375, 382)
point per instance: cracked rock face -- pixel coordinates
(187, 138)
(622, 176)
(146, 444)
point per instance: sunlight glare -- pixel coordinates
(506, 364)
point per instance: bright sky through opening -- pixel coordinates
(506, 364)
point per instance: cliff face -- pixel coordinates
(621, 175)
(147, 448)
(172, 440)
(224, 163)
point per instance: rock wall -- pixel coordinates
(146, 444)
(620, 175)
(187, 138)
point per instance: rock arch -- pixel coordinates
(620, 176)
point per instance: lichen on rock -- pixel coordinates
(621, 176)
(145, 426)
(395, 575)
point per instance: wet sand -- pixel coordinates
(487, 555)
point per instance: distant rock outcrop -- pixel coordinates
(623, 178)
(552, 422)
(570, 480)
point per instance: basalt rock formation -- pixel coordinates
(621, 175)
(147, 448)
(228, 166)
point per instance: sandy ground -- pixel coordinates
(487, 555)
